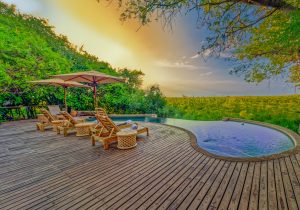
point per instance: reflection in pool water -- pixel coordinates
(228, 138)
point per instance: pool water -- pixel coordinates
(228, 138)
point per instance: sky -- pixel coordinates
(166, 56)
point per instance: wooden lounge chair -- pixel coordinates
(71, 123)
(55, 111)
(50, 122)
(110, 135)
(101, 111)
(99, 127)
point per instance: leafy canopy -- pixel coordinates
(30, 50)
(262, 36)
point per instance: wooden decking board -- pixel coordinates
(47, 171)
(164, 192)
(215, 202)
(193, 193)
(281, 198)
(184, 193)
(245, 198)
(231, 186)
(84, 180)
(147, 182)
(157, 191)
(206, 199)
(213, 181)
(146, 194)
(272, 195)
(98, 163)
(91, 166)
(263, 186)
(174, 194)
(296, 166)
(289, 191)
(294, 172)
(95, 188)
(254, 199)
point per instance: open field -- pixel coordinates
(279, 110)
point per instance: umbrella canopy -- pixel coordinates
(92, 77)
(62, 83)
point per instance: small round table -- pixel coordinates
(126, 139)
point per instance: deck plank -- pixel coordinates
(281, 196)
(237, 193)
(263, 189)
(245, 198)
(253, 203)
(289, 192)
(272, 195)
(231, 187)
(210, 187)
(292, 172)
(48, 171)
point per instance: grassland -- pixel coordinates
(279, 110)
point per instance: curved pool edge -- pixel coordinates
(291, 134)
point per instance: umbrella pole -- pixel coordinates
(95, 96)
(65, 98)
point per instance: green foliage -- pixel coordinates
(30, 50)
(261, 36)
(280, 110)
(277, 41)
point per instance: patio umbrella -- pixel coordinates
(62, 83)
(93, 78)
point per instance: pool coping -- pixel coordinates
(291, 134)
(133, 115)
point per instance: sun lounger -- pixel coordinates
(50, 121)
(111, 129)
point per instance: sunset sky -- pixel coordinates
(167, 57)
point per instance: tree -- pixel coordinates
(246, 30)
(30, 50)
(134, 78)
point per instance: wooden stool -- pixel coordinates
(83, 129)
(126, 139)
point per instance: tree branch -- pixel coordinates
(278, 4)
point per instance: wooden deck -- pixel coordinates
(48, 171)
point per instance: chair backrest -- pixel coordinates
(100, 111)
(69, 117)
(54, 109)
(108, 124)
(48, 115)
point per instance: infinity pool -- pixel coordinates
(228, 138)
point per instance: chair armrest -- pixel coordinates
(125, 126)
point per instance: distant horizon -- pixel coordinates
(168, 58)
(184, 96)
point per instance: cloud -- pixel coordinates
(208, 52)
(195, 56)
(204, 54)
(177, 64)
(206, 74)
